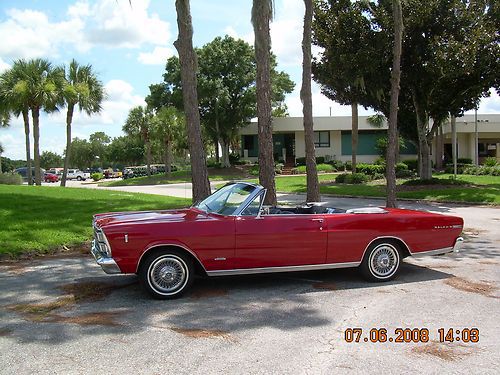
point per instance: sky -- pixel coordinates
(128, 45)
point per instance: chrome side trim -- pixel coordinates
(444, 250)
(168, 244)
(310, 267)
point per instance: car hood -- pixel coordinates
(141, 217)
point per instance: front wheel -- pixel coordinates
(381, 261)
(166, 275)
(79, 178)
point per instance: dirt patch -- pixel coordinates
(325, 285)
(446, 352)
(103, 318)
(208, 292)
(5, 332)
(38, 312)
(90, 291)
(197, 333)
(483, 288)
(488, 262)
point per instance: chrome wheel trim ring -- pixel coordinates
(168, 275)
(383, 261)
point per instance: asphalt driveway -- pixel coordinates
(63, 315)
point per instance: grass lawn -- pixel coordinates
(481, 189)
(215, 174)
(40, 219)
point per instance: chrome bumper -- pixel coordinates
(458, 244)
(108, 265)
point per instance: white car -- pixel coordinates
(76, 174)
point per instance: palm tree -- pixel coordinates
(16, 101)
(189, 67)
(38, 85)
(306, 97)
(262, 14)
(138, 124)
(1, 152)
(81, 88)
(392, 135)
(168, 128)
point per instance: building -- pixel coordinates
(333, 139)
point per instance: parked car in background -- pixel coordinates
(50, 177)
(232, 233)
(23, 171)
(56, 171)
(112, 173)
(76, 174)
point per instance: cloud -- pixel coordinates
(109, 23)
(158, 56)
(32, 34)
(322, 106)
(121, 24)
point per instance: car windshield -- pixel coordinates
(227, 199)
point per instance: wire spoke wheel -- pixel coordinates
(383, 261)
(168, 274)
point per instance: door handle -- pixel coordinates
(320, 221)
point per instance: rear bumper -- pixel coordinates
(458, 244)
(107, 264)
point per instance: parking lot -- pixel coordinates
(64, 315)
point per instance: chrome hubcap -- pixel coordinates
(168, 274)
(384, 260)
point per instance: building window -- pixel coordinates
(322, 139)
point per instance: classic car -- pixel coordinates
(231, 232)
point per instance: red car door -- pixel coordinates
(280, 240)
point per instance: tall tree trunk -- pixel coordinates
(168, 156)
(392, 131)
(69, 120)
(225, 153)
(35, 112)
(261, 17)
(453, 122)
(147, 146)
(439, 148)
(306, 97)
(354, 135)
(424, 151)
(188, 62)
(26, 120)
(217, 153)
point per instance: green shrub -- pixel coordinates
(378, 176)
(278, 168)
(9, 178)
(337, 164)
(96, 176)
(412, 164)
(370, 169)
(320, 160)
(300, 161)
(464, 161)
(460, 167)
(348, 166)
(351, 178)
(490, 162)
(435, 181)
(254, 170)
(380, 161)
(404, 173)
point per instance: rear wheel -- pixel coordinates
(381, 261)
(79, 178)
(166, 275)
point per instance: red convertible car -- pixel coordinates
(232, 233)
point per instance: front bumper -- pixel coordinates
(107, 264)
